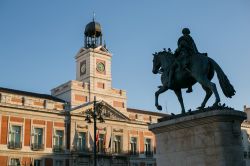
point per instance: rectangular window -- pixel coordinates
(147, 148)
(37, 139)
(133, 146)
(15, 162)
(59, 163)
(37, 163)
(117, 144)
(81, 141)
(100, 144)
(15, 137)
(58, 140)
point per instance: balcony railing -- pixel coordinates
(36, 146)
(110, 152)
(133, 153)
(81, 149)
(149, 153)
(120, 153)
(15, 145)
(58, 148)
(14, 164)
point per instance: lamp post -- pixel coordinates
(95, 114)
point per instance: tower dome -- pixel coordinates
(93, 29)
(93, 34)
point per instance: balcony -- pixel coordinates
(100, 150)
(149, 153)
(58, 148)
(133, 153)
(15, 145)
(81, 149)
(37, 147)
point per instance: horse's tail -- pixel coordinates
(225, 84)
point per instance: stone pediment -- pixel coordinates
(99, 49)
(108, 112)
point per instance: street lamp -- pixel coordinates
(95, 114)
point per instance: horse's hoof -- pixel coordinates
(216, 104)
(159, 107)
(200, 108)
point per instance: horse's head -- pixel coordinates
(162, 59)
(156, 63)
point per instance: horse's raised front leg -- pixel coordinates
(179, 96)
(208, 95)
(157, 93)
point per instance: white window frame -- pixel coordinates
(121, 143)
(151, 145)
(137, 144)
(77, 141)
(54, 136)
(21, 130)
(14, 158)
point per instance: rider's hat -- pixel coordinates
(185, 31)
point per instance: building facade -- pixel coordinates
(245, 131)
(53, 130)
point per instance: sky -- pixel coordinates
(39, 40)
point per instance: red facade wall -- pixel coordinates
(38, 103)
(39, 122)
(141, 137)
(59, 124)
(3, 160)
(27, 130)
(4, 129)
(16, 119)
(118, 104)
(148, 133)
(49, 135)
(16, 100)
(81, 98)
(26, 161)
(100, 85)
(134, 132)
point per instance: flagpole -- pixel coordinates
(95, 128)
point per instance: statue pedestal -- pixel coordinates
(211, 138)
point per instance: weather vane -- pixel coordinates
(93, 16)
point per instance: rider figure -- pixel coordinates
(186, 48)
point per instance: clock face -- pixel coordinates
(100, 67)
(83, 68)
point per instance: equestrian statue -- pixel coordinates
(186, 66)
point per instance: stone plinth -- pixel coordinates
(211, 138)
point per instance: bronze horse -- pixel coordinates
(200, 69)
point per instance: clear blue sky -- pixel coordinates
(39, 39)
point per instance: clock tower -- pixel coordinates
(93, 61)
(93, 74)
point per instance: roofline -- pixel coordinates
(146, 112)
(31, 94)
